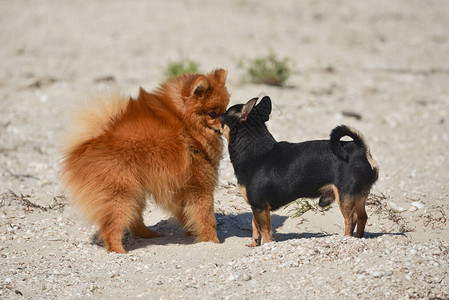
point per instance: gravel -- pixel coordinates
(46, 261)
(49, 253)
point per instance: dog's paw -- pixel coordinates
(253, 244)
(116, 248)
(212, 239)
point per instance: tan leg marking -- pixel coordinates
(243, 192)
(257, 237)
(347, 208)
(362, 217)
(263, 221)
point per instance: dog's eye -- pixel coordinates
(213, 115)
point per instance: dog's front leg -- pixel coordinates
(257, 237)
(262, 219)
(200, 217)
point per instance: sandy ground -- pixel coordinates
(386, 61)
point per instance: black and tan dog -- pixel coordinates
(271, 174)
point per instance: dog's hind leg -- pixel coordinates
(263, 221)
(362, 217)
(137, 226)
(346, 203)
(139, 229)
(347, 208)
(115, 216)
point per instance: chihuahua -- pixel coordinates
(271, 174)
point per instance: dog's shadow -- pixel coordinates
(240, 226)
(171, 232)
(227, 226)
(373, 235)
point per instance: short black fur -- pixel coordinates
(276, 173)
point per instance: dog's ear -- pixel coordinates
(220, 76)
(247, 108)
(199, 87)
(264, 108)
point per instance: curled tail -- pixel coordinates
(88, 122)
(343, 130)
(93, 119)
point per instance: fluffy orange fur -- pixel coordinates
(165, 144)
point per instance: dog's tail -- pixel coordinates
(341, 131)
(93, 119)
(344, 130)
(88, 122)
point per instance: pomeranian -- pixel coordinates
(166, 144)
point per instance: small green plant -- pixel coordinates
(269, 70)
(301, 206)
(181, 67)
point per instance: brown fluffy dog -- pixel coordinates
(165, 144)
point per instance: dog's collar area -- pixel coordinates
(198, 151)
